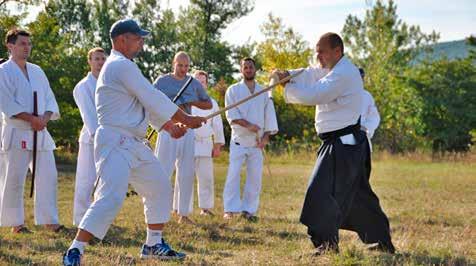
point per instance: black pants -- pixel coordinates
(339, 195)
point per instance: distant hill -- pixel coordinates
(451, 50)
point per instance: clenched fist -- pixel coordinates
(176, 130)
(194, 121)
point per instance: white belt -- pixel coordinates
(17, 123)
(198, 138)
(123, 132)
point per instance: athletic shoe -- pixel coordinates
(72, 257)
(161, 251)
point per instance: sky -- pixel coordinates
(454, 20)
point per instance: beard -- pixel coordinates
(250, 77)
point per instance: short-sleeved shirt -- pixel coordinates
(170, 86)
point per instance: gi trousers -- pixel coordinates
(14, 165)
(253, 157)
(205, 184)
(339, 195)
(147, 178)
(84, 182)
(178, 154)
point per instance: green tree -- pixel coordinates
(104, 14)
(19, 2)
(64, 67)
(385, 47)
(199, 27)
(447, 89)
(162, 43)
(283, 48)
(75, 19)
(7, 22)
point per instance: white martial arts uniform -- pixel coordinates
(259, 111)
(205, 136)
(336, 108)
(178, 154)
(370, 118)
(125, 103)
(85, 171)
(17, 144)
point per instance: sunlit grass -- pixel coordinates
(431, 206)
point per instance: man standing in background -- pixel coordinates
(179, 153)
(251, 125)
(83, 95)
(19, 81)
(370, 118)
(208, 142)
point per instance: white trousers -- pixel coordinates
(253, 157)
(84, 183)
(148, 179)
(178, 154)
(205, 184)
(14, 165)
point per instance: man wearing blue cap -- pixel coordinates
(126, 102)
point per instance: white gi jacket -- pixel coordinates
(370, 118)
(210, 133)
(83, 95)
(259, 111)
(337, 94)
(16, 97)
(126, 102)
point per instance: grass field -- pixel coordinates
(431, 207)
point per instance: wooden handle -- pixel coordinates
(286, 79)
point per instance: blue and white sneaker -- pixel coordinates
(161, 251)
(72, 257)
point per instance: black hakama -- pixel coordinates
(339, 195)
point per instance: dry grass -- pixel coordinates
(431, 206)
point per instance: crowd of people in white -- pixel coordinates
(117, 104)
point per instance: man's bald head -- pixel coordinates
(181, 56)
(181, 64)
(333, 40)
(329, 50)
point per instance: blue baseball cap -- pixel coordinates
(126, 25)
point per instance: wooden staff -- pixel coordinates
(284, 80)
(177, 96)
(265, 159)
(35, 145)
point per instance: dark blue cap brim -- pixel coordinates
(143, 33)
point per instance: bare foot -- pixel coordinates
(206, 212)
(185, 220)
(228, 216)
(20, 229)
(55, 227)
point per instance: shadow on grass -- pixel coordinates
(14, 260)
(286, 235)
(360, 256)
(229, 227)
(216, 233)
(274, 220)
(32, 249)
(423, 259)
(189, 248)
(122, 237)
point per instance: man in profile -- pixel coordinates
(339, 195)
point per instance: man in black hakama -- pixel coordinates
(339, 195)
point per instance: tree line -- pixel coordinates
(426, 105)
